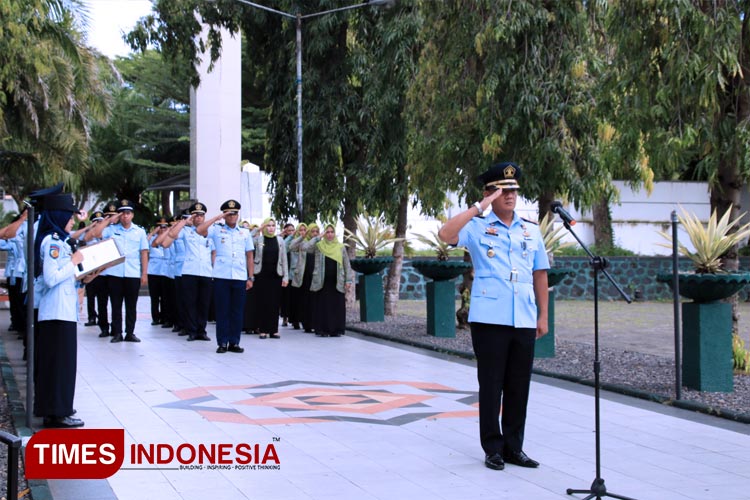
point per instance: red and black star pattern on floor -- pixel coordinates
(299, 401)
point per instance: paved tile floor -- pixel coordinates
(355, 419)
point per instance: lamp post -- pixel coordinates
(299, 18)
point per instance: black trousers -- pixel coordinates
(94, 289)
(178, 304)
(505, 356)
(102, 297)
(123, 289)
(196, 293)
(157, 291)
(17, 305)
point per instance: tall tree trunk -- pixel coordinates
(724, 195)
(393, 280)
(350, 223)
(603, 234)
(545, 200)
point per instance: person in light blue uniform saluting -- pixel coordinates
(508, 309)
(125, 280)
(232, 272)
(197, 270)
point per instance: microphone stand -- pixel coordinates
(599, 264)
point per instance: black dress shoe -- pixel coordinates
(130, 337)
(203, 337)
(494, 461)
(62, 422)
(103, 334)
(520, 458)
(90, 323)
(154, 323)
(176, 329)
(167, 325)
(235, 348)
(117, 337)
(221, 349)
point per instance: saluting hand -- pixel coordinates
(487, 201)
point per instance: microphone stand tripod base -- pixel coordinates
(598, 490)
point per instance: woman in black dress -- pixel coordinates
(332, 276)
(306, 303)
(271, 275)
(296, 272)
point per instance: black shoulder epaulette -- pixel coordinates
(529, 221)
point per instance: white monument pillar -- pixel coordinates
(215, 127)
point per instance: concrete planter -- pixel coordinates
(370, 287)
(441, 294)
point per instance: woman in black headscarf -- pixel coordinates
(55, 286)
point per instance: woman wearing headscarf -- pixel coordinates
(332, 276)
(55, 283)
(271, 274)
(305, 267)
(296, 271)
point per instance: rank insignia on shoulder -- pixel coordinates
(529, 221)
(492, 231)
(54, 251)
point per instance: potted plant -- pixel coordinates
(441, 291)
(372, 236)
(708, 282)
(707, 322)
(440, 269)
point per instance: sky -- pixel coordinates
(110, 19)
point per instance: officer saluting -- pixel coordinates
(124, 280)
(233, 273)
(508, 309)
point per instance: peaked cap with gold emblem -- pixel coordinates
(231, 206)
(124, 205)
(95, 216)
(197, 208)
(111, 208)
(501, 175)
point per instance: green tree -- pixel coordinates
(50, 94)
(510, 80)
(385, 56)
(147, 138)
(680, 73)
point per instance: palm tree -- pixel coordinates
(50, 94)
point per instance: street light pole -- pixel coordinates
(300, 203)
(299, 17)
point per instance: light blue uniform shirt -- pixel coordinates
(169, 264)
(178, 257)
(10, 263)
(130, 241)
(231, 245)
(20, 243)
(504, 259)
(197, 253)
(157, 261)
(57, 286)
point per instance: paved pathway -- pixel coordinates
(352, 418)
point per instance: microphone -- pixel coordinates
(556, 207)
(74, 246)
